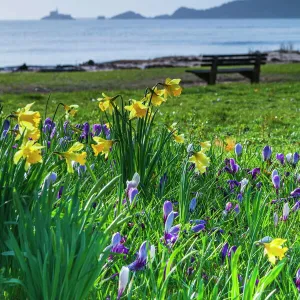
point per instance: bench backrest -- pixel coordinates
(234, 60)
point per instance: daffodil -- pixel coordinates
(105, 103)
(205, 146)
(156, 96)
(28, 134)
(27, 118)
(200, 160)
(172, 87)
(103, 146)
(71, 110)
(274, 249)
(137, 109)
(179, 138)
(31, 152)
(73, 155)
(229, 144)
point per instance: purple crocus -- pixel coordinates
(123, 281)
(106, 131)
(280, 158)
(60, 192)
(233, 166)
(237, 209)
(231, 251)
(233, 184)
(131, 189)
(141, 260)
(167, 209)
(295, 158)
(266, 153)
(224, 251)
(296, 193)
(238, 149)
(117, 244)
(49, 179)
(193, 204)
(85, 131)
(97, 128)
(286, 212)
(276, 182)
(200, 225)
(296, 206)
(254, 173)
(228, 206)
(171, 232)
(5, 129)
(47, 126)
(297, 281)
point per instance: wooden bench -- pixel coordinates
(244, 61)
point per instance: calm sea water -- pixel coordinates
(72, 42)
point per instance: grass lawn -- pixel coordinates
(268, 111)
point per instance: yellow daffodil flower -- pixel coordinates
(103, 146)
(229, 144)
(201, 161)
(179, 138)
(34, 134)
(71, 110)
(71, 155)
(156, 96)
(27, 118)
(205, 146)
(274, 249)
(137, 109)
(172, 87)
(31, 152)
(105, 103)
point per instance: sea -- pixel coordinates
(73, 42)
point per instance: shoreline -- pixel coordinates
(160, 62)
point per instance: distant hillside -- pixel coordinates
(129, 15)
(244, 9)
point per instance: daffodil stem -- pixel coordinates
(91, 172)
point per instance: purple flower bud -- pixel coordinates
(233, 184)
(297, 281)
(167, 209)
(123, 281)
(231, 251)
(141, 260)
(228, 206)
(276, 219)
(280, 158)
(286, 212)
(50, 179)
(234, 167)
(193, 204)
(254, 173)
(259, 185)
(237, 209)
(97, 128)
(224, 251)
(60, 192)
(6, 125)
(295, 158)
(266, 153)
(276, 181)
(296, 206)
(198, 228)
(132, 194)
(238, 149)
(240, 197)
(289, 157)
(296, 192)
(198, 222)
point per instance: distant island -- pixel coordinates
(55, 15)
(239, 9)
(101, 18)
(129, 15)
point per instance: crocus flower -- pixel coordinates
(48, 125)
(276, 182)
(85, 131)
(123, 281)
(5, 129)
(274, 249)
(238, 149)
(224, 251)
(297, 281)
(240, 197)
(233, 166)
(276, 219)
(200, 225)
(274, 172)
(266, 153)
(296, 206)
(49, 179)
(167, 209)
(243, 184)
(137, 109)
(280, 158)
(117, 245)
(172, 87)
(228, 206)
(141, 260)
(289, 157)
(254, 173)
(171, 232)
(72, 155)
(132, 193)
(106, 130)
(295, 158)
(233, 184)
(97, 128)
(103, 146)
(237, 209)
(131, 189)
(201, 161)
(60, 192)
(193, 204)
(31, 152)
(286, 212)
(231, 251)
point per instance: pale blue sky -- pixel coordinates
(34, 9)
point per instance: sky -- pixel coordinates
(35, 9)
